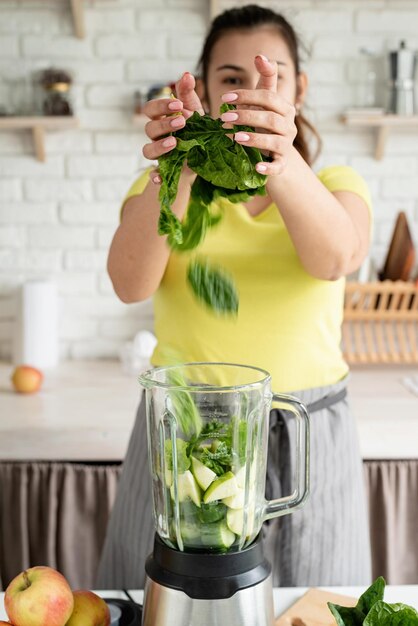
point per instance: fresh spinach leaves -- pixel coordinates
(225, 169)
(371, 610)
(212, 286)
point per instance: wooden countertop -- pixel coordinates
(86, 409)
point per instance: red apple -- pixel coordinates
(27, 379)
(89, 610)
(39, 596)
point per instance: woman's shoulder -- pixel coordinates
(139, 184)
(135, 189)
(344, 178)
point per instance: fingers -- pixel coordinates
(185, 91)
(276, 145)
(162, 106)
(155, 177)
(268, 73)
(267, 120)
(157, 128)
(155, 149)
(262, 98)
(163, 122)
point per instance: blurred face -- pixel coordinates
(232, 65)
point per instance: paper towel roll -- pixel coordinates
(36, 336)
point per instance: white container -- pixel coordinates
(36, 331)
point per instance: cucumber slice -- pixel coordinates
(222, 487)
(187, 488)
(217, 535)
(235, 521)
(240, 475)
(212, 512)
(191, 535)
(204, 475)
(236, 501)
(189, 512)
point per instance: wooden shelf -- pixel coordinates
(383, 123)
(77, 10)
(38, 125)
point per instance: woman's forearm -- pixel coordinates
(138, 256)
(330, 240)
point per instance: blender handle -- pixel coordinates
(286, 504)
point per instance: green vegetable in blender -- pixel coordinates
(211, 471)
(371, 610)
(217, 536)
(183, 461)
(183, 407)
(225, 169)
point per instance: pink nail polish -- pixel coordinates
(229, 97)
(229, 116)
(241, 137)
(177, 122)
(169, 142)
(176, 105)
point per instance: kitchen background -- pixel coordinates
(57, 217)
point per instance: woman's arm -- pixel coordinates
(138, 256)
(330, 231)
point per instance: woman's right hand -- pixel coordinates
(163, 120)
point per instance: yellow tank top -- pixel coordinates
(288, 323)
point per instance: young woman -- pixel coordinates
(288, 253)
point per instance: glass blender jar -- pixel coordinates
(207, 426)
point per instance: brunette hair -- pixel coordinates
(249, 17)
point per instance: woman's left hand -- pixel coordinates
(270, 114)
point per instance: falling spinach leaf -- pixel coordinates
(183, 406)
(225, 169)
(213, 287)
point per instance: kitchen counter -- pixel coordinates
(284, 597)
(86, 409)
(67, 442)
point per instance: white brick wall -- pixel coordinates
(57, 218)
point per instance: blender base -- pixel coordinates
(252, 606)
(207, 589)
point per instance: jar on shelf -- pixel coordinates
(56, 85)
(57, 100)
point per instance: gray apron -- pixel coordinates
(326, 542)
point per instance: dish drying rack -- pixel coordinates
(380, 323)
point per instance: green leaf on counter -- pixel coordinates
(371, 610)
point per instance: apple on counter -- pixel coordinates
(27, 379)
(89, 610)
(41, 596)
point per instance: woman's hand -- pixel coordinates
(272, 117)
(168, 115)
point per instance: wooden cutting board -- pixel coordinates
(312, 609)
(400, 257)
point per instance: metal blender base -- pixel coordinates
(252, 606)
